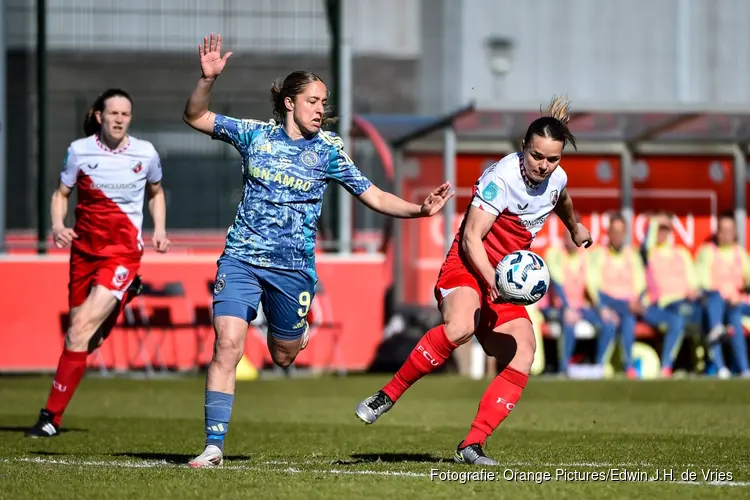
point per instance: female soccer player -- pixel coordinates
(112, 170)
(269, 254)
(512, 199)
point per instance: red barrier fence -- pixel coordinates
(347, 315)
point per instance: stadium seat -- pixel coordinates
(166, 313)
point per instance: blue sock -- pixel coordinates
(218, 411)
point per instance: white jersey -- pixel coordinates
(520, 205)
(111, 186)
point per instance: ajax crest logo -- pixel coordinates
(309, 158)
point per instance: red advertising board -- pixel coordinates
(348, 313)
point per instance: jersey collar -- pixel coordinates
(106, 148)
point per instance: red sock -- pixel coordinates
(430, 353)
(69, 373)
(497, 402)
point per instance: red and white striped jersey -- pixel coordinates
(521, 206)
(111, 186)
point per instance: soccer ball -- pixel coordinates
(522, 278)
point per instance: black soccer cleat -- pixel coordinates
(44, 426)
(135, 288)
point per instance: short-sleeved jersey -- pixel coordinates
(521, 206)
(111, 186)
(284, 181)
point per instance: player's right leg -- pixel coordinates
(235, 305)
(85, 320)
(459, 295)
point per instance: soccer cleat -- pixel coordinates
(371, 408)
(305, 337)
(211, 457)
(44, 426)
(135, 288)
(472, 454)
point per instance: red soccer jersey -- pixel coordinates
(111, 187)
(521, 206)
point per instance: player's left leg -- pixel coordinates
(513, 344)
(133, 291)
(287, 299)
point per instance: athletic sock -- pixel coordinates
(70, 370)
(431, 352)
(498, 400)
(218, 412)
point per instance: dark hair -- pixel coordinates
(726, 214)
(293, 85)
(553, 124)
(616, 216)
(90, 124)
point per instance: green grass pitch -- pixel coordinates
(299, 438)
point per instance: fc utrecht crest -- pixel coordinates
(138, 167)
(554, 197)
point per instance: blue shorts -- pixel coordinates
(286, 296)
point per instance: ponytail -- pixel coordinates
(553, 123)
(559, 108)
(91, 125)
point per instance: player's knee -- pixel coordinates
(524, 357)
(81, 329)
(282, 358)
(459, 330)
(227, 352)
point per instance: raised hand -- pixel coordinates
(436, 200)
(212, 63)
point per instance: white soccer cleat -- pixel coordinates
(305, 337)
(211, 457)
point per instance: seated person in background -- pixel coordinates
(723, 273)
(567, 268)
(616, 282)
(672, 287)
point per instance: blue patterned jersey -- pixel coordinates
(284, 181)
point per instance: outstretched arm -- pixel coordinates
(389, 204)
(196, 112)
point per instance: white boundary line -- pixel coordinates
(293, 468)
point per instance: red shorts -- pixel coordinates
(114, 273)
(455, 274)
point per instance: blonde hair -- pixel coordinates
(559, 107)
(553, 124)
